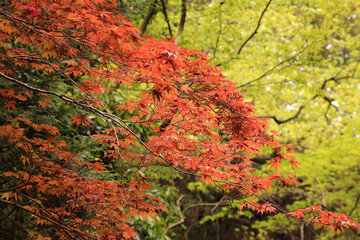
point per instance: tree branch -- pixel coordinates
(220, 30)
(148, 16)
(166, 17)
(182, 19)
(355, 205)
(13, 222)
(39, 204)
(221, 202)
(276, 66)
(67, 229)
(14, 188)
(257, 27)
(286, 120)
(261, 159)
(329, 100)
(180, 214)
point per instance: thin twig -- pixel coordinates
(216, 204)
(219, 34)
(355, 205)
(257, 27)
(277, 65)
(329, 100)
(221, 202)
(180, 214)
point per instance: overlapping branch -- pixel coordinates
(181, 212)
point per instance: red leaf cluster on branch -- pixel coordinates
(326, 219)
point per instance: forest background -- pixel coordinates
(297, 63)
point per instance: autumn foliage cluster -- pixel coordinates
(74, 53)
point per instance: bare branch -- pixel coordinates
(257, 27)
(187, 233)
(13, 222)
(216, 204)
(166, 17)
(148, 16)
(180, 214)
(329, 100)
(221, 202)
(263, 84)
(286, 120)
(276, 66)
(220, 30)
(302, 231)
(355, 205)
(261, 159)
(182, 19)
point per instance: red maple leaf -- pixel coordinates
(81, 119)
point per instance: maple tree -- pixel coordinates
(200, 124)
